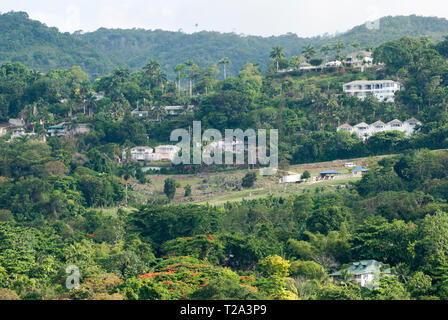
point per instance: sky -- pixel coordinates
(250, 17)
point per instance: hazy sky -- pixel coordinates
(255, 17)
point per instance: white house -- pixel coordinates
(235, 146)
(165, 153)
(3, 129)
(361, 59)
(349, 165)
(141, 154)
(80, 128)
(382, 90)
(59, 130)
(17, 123)
(98, 95)
(366, 131)
(332, 64)
(365, 273)
(174, 110)
(161, 153)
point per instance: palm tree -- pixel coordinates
(158, 112)
(356, 45)
(339, 46)
(155, 74)
(309, 52)
(180, 71)
(224, 62)
(295, 62)
(325, 49)
(151, 68)
(277, 54)
(191, 73)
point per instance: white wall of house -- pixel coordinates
(366, 131)
(382, 90)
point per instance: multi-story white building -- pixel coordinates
(383, 90)
(366, 131)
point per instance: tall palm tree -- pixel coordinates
(151, 68)
(325, 49)
(191, 73)
(180, 74)
(224, 62)
(277, 54)
(158, 112)
(309, 52)
(155, 73)
(295, 62)
(339, 46)
(356, 45)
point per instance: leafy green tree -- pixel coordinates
(187, 190)
(169, 188)
(249, 180)
(307, 269)
(274, 266)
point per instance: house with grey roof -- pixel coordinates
(365, 273)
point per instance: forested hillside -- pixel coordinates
(76, 200)
(37, 46)
(43, 48)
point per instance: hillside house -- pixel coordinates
(361, 59)
(16, 123)
(359, 171)
(140, 114)
(165, 153)
(142, 154)
(59, 130)
(235, 146)
(365, 131)
(382, 90)
(3, 129)
(98, 95)
(80, 128)
(365, 273)
(174, 110)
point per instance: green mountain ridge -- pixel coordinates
(44, 48)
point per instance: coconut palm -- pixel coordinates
(356, 45)
(277, 54)
(295, 62)
(180, 74)
(224, 62)
(192, 69)
(339, 46)
(309, 52)
(325, 49)
(158, 112)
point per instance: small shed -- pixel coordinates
(359, 171)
